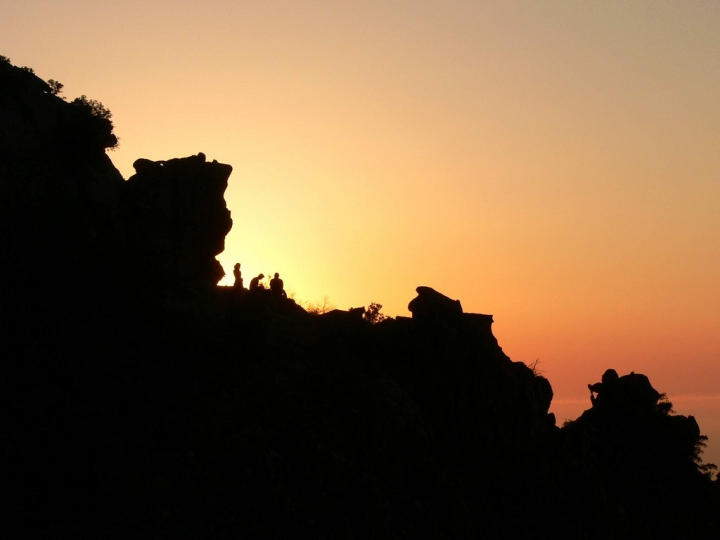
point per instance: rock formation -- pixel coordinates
(177, 221)
(59, 191)
(66, 211)
(431, 305)
(230, 415)
(646, 455)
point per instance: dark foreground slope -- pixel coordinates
(139, 400)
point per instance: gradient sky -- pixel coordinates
(552, 163)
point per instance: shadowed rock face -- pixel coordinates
(246, 416)
(177, 221)
(645, 454)
(67, 215)
(59, 191)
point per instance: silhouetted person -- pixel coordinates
(255, 285)
(238, 277)
(605, 390)
(276, 286)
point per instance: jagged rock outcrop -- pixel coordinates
(633, 423)
(66, 214)
(646, 456)
(59, 191)
(404, 413)
(241, 415)
(177, 220)
(86, 352)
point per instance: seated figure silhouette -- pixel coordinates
(255, 285)
(276, 286)
(605, 390)
(238, 277)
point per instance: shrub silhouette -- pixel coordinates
(94, 107)
(372, 313)
(320, 308)
(56, 87)
(98, 118)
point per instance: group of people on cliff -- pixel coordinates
(277, 287)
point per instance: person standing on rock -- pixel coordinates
(238, 277)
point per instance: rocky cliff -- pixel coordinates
(140, 399)
(176, 221)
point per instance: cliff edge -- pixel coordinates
(142, 399)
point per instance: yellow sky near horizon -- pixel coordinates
(554, 163)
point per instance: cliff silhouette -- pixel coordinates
(142, 400)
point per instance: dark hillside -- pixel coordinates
(141, 400)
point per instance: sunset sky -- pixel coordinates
(553, 163)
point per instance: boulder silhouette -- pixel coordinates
(431, 305)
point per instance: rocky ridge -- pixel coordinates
(141, 398)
